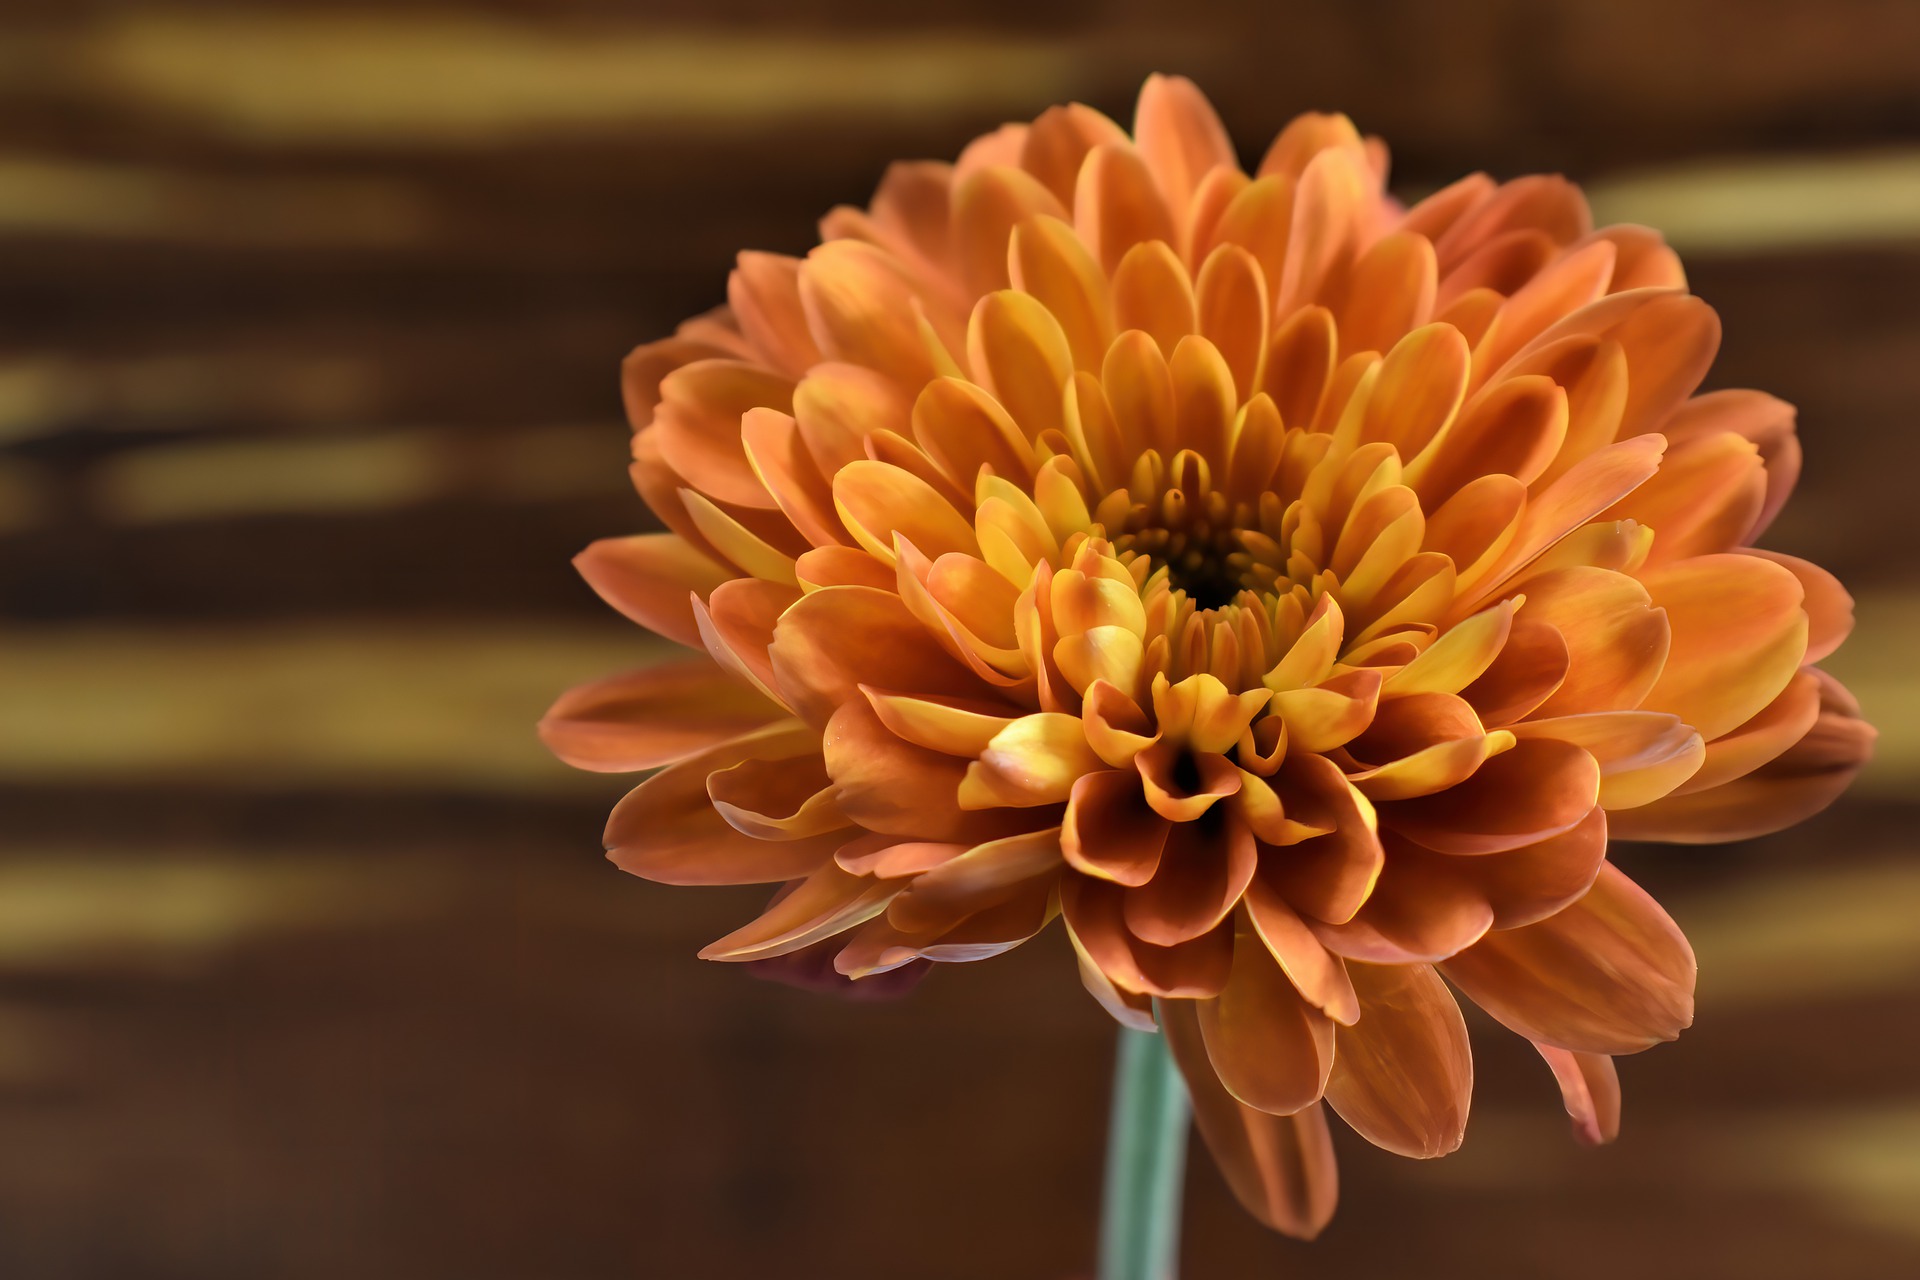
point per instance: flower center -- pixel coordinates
(1205, 545)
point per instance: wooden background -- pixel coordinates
(310, 315)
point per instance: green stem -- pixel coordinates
(1146, 1163)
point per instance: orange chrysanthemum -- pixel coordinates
(1291, 590)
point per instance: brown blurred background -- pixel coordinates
(310, 316)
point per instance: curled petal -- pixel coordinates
(1642, 755)
(1800, 782)
(1192, 970)
(827, 902)
(1204, 869)
(1110, 833)
(1611, 974)
(1590, 1088)
(666, 829)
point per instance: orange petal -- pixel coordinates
(1058, 141)
(1530, 667)
(764, 294)
(1538, 789)
(1707, 494)
(1590, 1089)
(1269, 1048)
(737, 626)
(650, 577)
(837, 406)
(1783, 722)
(1801, 782)
(1326, 877)
(697, 425)
(983, 877)
(1192, 970)
(1153, 293)
(827, 902)
(777, 799)
(1034, 760)
(1179, 136)
(859, 308)
(1330, 714)
(891, 786)
(653, 716)
(1829, 605)
(1021, 354)
(1319, 975)
(987, 205)
(1424, 907)
(1616, 635)
(834, 639)
(1739, 634)
(1403, 1074)
(1232, 312)
(876, 501)
(1117, 204)
(1204, 870)
(782, 464)
(1533, 882)
(963, 429)
(1611, 974)
(1755, 416)
(1280, 1168)
(1643, 755)
(1419, 389)
(1048, 261)
(1392, 293)
(666, 829)
(1109, 832)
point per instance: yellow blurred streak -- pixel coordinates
(43, 393)
(1861, 1163)
(236, 477)
(224, 478)
(408, 79)
(85, 906)
(1732, 206)
(85, 198)
(1826, 931)
(1877, 664)
(332, 705)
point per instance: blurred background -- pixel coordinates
(310, 966)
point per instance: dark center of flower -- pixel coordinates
(1204, 545)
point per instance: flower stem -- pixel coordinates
(1146, 1163)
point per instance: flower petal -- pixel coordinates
(649, 577)
(653, 716)
(1403, 1074)
(1537, 789)
(1610, 974)
(666, 829)
(1280, 1168)
(1590, 1088)
(1270, 1048)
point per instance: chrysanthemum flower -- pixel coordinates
(1290, 590)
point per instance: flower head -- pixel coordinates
(1291, 590)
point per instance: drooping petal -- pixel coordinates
(1280, 1168)
(1403, 1073)
(1590, 1088)
(1270, 1048)
(1611, 974)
